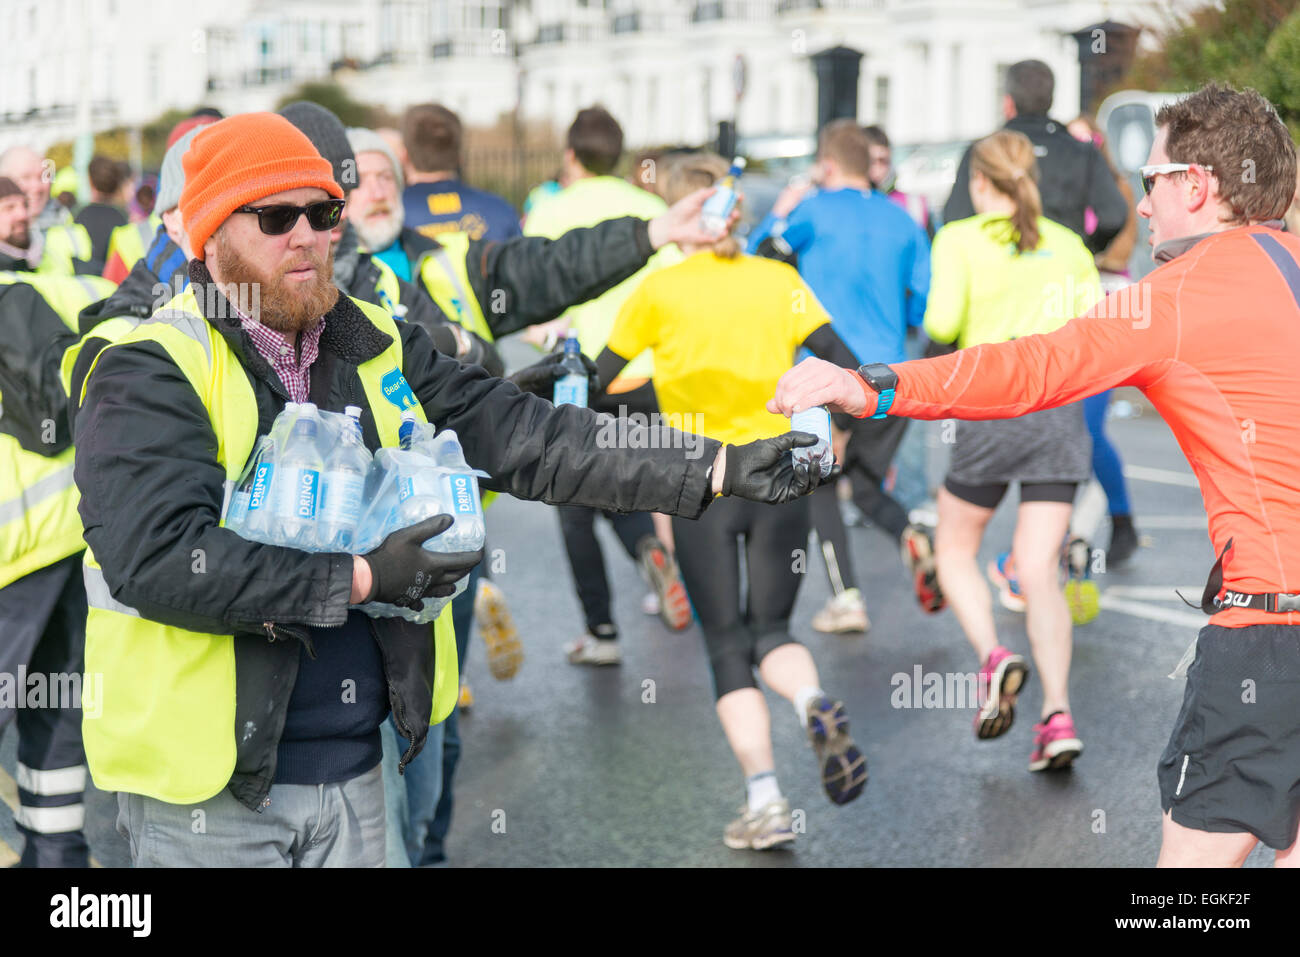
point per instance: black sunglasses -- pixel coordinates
(278, 219)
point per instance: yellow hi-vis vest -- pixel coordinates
(444, 274)
(132, 240)
(39, 524)
(64, 244)
(161, 721)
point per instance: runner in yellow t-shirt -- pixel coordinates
(723, 328)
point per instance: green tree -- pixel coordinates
(1245, 43)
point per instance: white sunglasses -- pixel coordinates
(1149, 173)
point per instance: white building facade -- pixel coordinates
(930, 70)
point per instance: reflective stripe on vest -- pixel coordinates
(110, 330)
(444, 274)
(39, 524)
(63, 244)
(166, 701)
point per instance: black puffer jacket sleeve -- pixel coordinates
(534, 450)
(151, 497)
(531, 279)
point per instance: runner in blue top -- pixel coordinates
(436, 200)
(869, 264)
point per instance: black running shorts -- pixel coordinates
(1233, 761)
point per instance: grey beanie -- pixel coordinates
(368, 141)
(172, 178)
(326, 133)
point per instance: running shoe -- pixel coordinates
(1002, 573)
(843, 766)
(504, 652)
(1080, 591)
(918, 557)
(1056, 744)
(1003, 676)
(770, 826)
(589, 650)
(844, 614)
(465, 700)
(661, 571)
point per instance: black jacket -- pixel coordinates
(523, 281)
(360, 279)
(152, 493)
(1072, 176)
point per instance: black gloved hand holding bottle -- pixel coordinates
(404, 572)
(764, 471)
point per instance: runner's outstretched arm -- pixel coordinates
(1004, 380)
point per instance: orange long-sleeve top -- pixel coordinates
(1213, 340)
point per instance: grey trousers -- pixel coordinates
(305, 825)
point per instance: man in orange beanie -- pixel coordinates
(243, 691)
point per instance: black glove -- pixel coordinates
(405, 573)
(764, 471)
(540, 377)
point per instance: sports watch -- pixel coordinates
(883, 380)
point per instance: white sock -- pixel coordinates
(762, 789)
(801, 699)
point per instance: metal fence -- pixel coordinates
(510, 172)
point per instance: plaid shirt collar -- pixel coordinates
(277, 349)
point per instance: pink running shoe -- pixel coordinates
(1000, 680)
(1056, 744)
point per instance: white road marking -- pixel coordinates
(1198, 522)
(1164, 476)
(1170, 616)
(1154, 592)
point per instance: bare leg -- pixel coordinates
(1288, 858)
(663, 529)
(1040, 528)
(956, 544)
(1187, 847)
(748, 726)
(788, 669)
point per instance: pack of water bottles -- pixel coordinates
(313, 485)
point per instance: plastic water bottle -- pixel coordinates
(716, 209)
(295, 493)
(461, 497)
(572, 389)
(817, 421)
(237, 513)
(406, 429)
(343, 486)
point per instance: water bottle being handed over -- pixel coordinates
(572, 388)
(820, 456)
(717, 208)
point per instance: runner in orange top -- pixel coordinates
(1211, 337)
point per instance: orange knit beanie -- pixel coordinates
(240, 160)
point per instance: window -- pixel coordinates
(882, 101)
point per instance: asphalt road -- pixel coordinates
(628, 765)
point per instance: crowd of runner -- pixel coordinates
(848, 294)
